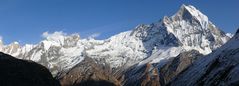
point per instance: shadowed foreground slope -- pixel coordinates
(16, 72)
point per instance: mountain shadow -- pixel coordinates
(16, 72)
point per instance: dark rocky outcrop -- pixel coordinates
(87, 73)
(16, 72)
(144, 75)
(178, 64)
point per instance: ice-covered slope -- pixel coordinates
(217, 68)
(186, 30)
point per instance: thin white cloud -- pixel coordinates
(230, 35)
(1, 37)
(94, 35)
(55, 34)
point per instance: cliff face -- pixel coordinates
(16, 72)
(177, 65)
(150, 78)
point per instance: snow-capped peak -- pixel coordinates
(192, 28)
(186, 10)
(189, 12)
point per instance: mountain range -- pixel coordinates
(183, 49)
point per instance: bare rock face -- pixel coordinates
(16, 72)
(87, 73)
(145, 75)
(178, 64)
(150, 78)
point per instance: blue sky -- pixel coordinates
(26, 20)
